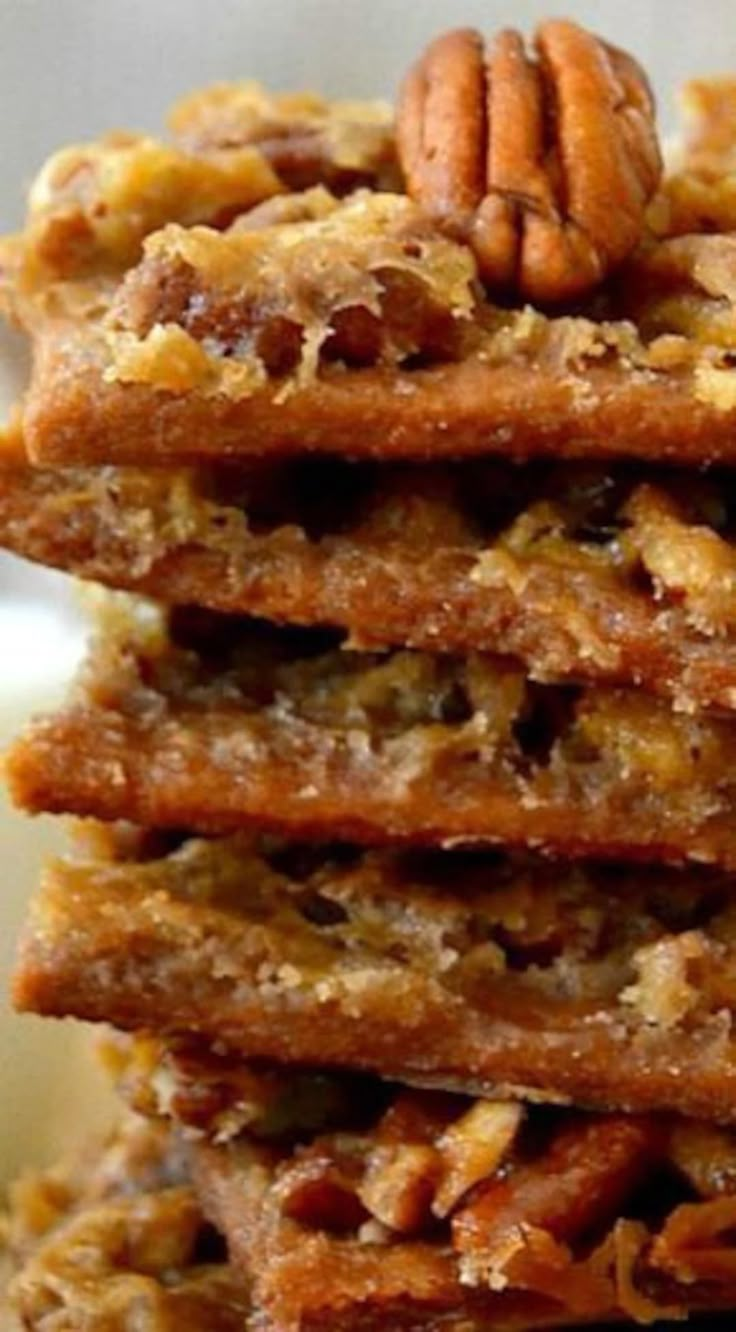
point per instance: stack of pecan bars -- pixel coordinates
(404, 762)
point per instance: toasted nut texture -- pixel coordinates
(545, 166)
(580, 1220)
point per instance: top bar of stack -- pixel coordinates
(437, 1079)
(358, 327)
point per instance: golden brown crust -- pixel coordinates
(520, 406)
(545, 167)
(549, 565)
(243, 726)
(567, 1238)
(596, 986)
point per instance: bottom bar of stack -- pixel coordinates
(368, 1206)
(439, 1211)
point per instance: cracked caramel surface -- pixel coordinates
(224, 724)
(584, 573)
(596, 985)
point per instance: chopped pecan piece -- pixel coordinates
(473, 1148)
(705, 1155)
(304, 137)
(688, 562)
(515, 1228)
(404, 1168)
(319, 1191)
(545, 167)
(399, 1183)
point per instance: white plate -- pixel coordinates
(70, 69)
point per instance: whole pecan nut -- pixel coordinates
(544, 166)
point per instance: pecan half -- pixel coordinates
(544, 166)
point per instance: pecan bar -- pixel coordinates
(118, 1242)
(582, 573)
(224, 724)
(602, 986)
(362, 331)
(442, 1212)
(361, 325)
